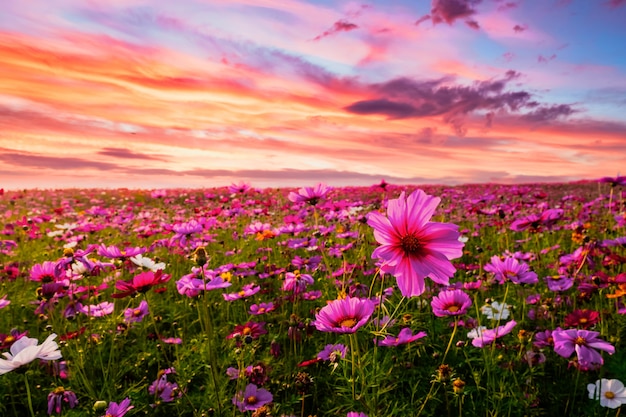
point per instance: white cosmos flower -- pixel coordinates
(496, 311)
(147, 263)
(610, 392)
(26, 350)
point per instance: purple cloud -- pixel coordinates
(472, 24)
(450, 10)
(339, 26)
(519, 28)
(542, 59)
(616, 3)
(404, 98)
(548, 113)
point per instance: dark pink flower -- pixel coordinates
(510, 269)
(485, 337)
(140, 283)
(450, 303)
(413, 247)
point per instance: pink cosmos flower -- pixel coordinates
(405, 336)
(310, 195)
(450, 303)
(584, 343)
(4, 302)
(345, 315)
(246, 291)
(485, 337)
(413, 247)
(44, 272)
(510, 269)
(97, 310)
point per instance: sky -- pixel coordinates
(289, 93)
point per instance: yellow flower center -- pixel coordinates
(350, 322)
(9, 339)
(246, 331)
(583, 320)
(137, 312)
(610, 395)
(251, 399)
(453, 308)
(580, 341)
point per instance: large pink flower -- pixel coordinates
(413, 247)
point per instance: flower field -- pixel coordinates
(475, 300)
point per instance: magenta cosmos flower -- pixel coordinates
(140, 283)
(510, 269)
(405, 336)
(345, 315)
(119, 410)
(413, 247)
(584, 343)
(485, 337)
(310, 195)
(450, 303)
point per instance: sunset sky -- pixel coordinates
(203, 93)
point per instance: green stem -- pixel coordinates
(456, 322)
(28, 396)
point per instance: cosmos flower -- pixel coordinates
(345, 315)
(485, 337)
(582, 318)
(240, 187)
(450, 303)
(4, 302)
(252, 398)
(310, 195)
(496, 311)
(258, 309)
(118, 410)
(147, 263)
(140, 283)
(510, 269)
(57, 397)
(135, 315)
(405, 336)
(412, 247)
(610, 392)
(25, 350)
(296, 283)
(250, 329)
(113, 252)
(355, 414)
(44, 272)
(585, 343)
(97, 310)
(246, 291)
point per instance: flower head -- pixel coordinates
(610, 392)
(485, 337)
(252, 398)
(118, 410)
(496, 311)
(450, 303)
(57, 397)
(412, 247)
(135, 315)
(310, 195)
(405, 336)
(512, 270)
(345, 315)
(140, 283)
(584, 343)
(26, 350)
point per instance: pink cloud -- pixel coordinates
(450, 10)
(338, 26)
